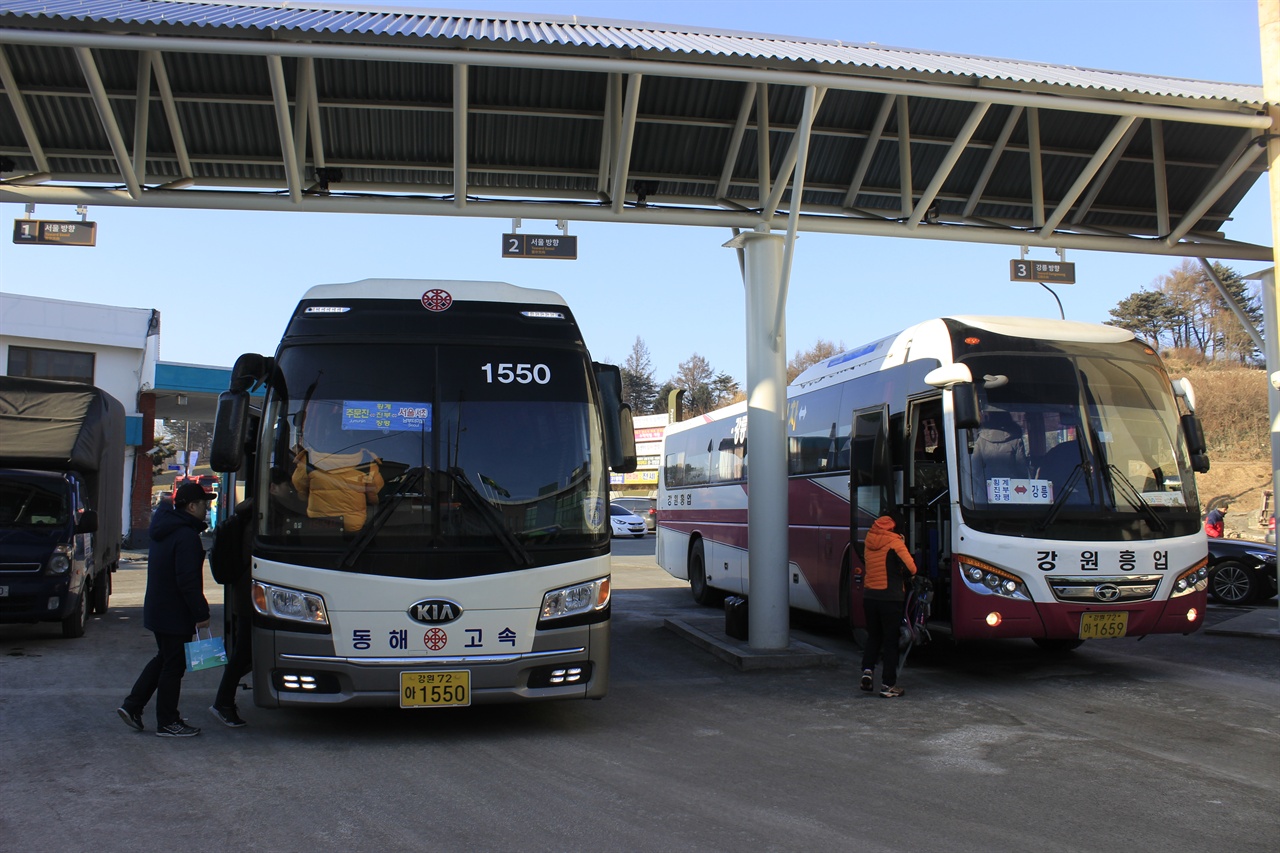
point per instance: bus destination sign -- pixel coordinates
(1047, 272)
(47, 232)
(555, 246)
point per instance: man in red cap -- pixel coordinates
(174, 608)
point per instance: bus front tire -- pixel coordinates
(703, 593)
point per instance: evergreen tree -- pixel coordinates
(638, 386)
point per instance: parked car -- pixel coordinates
(1241, 571)
(646, 508)
(625, 522)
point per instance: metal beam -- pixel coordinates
(610, 122)
(988, 168)
(142, 117)
(1104, 174)
(280, 95)
(788, 165)
(1118, 131)
(108, 119)
(711, 218)
(1226, 116)
(800, 147)
(1037, 174)
(626, 136)
(1160, 177)
(1245, 322)
(19, 105)
(461, 98)
(1214, 192)
(868, 150)
(735, 141)
(904, 156)
(948, 163)
(171, 114)
(763, 157)
(302, 110)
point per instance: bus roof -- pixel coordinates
(873, 356)
(412, 288)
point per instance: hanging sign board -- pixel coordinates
(47, 232)
(1048, 272)
(555, 246)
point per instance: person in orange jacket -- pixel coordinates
(888, 568)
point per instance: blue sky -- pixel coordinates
(225, 282)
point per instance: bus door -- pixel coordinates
(928, 502)
(870, 474)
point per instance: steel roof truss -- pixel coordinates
(611, 126)
(1037, 173)
(461, 97)
(904, 156)
(788, 166)
(1232, 168)
(304, 93)
(868, 150)
(19, 105)
(1104, 173)
(142, 117)
(735, 143)
(799, 153)
(948, 163)
(1160, 177)
(1118, 130)
(626, 136)
(763, 160)
(108, 118)
(170, 105)
(280, 97)
(988, 168)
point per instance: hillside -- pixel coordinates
(1232, 404)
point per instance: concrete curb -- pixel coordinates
(797, 655)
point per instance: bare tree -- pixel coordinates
(638, 386)
(820, 351)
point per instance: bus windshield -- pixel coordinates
(1075, 446)
(395, 448)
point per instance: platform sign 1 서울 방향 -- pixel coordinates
(47, 232)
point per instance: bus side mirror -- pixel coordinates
(1200, 463)
(1193, 432)
(230, 427)
(964, 405)
(619, 431)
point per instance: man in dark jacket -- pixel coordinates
(173, 609)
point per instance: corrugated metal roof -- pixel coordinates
(549, 30)
(543, 104)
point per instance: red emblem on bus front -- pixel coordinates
(435, 639)
(437, 300)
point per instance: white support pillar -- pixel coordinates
(1269, 31)
(766, 444)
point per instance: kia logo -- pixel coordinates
(1106, 592)
(435, 611)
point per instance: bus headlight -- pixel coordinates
(986, 579)
(280, 602)
(575, 600)
(1192, 580)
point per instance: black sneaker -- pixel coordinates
(178, 729)
(227, 716)
(131, 719)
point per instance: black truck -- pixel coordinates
(61, 490)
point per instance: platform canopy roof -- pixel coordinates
(316, 107)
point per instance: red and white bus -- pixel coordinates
(1043, 469)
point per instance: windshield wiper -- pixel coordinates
(1061, 500)
(1135, 497)
(491, 517)
(410, 483)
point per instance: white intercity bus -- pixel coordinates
(430, 467)
(1043, 470)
